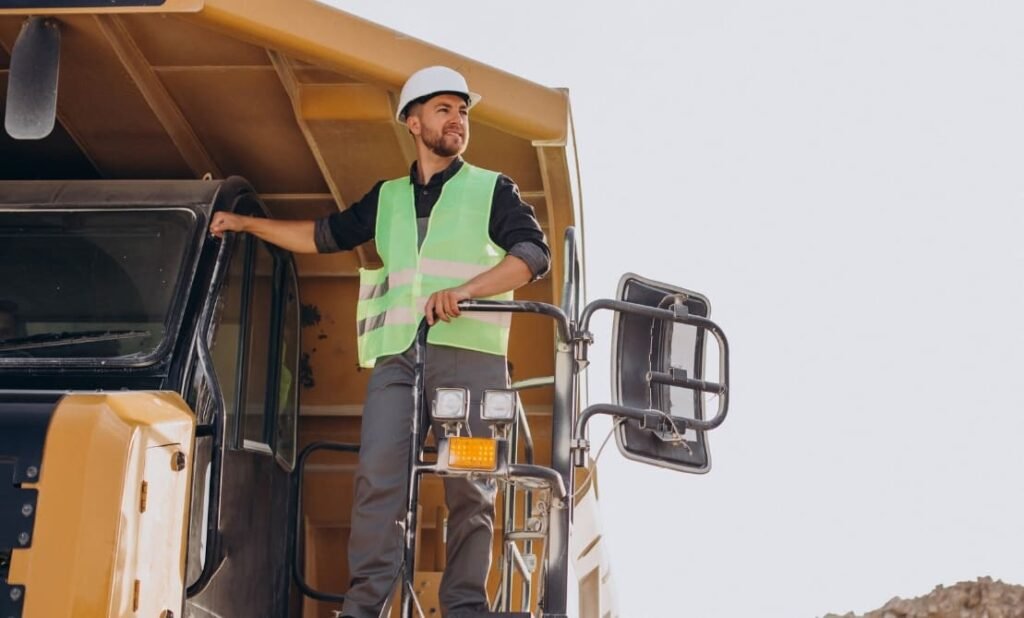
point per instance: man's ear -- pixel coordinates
(412, 122)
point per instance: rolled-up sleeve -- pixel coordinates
(347, 229)
(325, 241)
(536, 259)
(514, 228)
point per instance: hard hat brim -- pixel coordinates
(472, 99)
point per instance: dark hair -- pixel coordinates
(427, 97)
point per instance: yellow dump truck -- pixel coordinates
(179, 414)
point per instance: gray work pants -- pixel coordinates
(375, 545)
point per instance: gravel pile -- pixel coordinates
(981, 599)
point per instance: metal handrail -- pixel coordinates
(300, 466)
(555, 479)
(555, 571)
(415, 469)
(523, 306)
(213, 556)
(571, 275)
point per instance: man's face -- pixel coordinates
(442, 123)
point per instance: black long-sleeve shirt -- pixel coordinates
(513, 224)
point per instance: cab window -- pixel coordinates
(259, 340)
(288, 380)
(255, 347)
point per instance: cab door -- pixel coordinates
(253, 341)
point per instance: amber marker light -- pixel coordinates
(472, 454)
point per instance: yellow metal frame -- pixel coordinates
(169, 6)
(330, 38)
(111, 522)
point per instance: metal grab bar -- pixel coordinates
(300, 465)
(571, 276)
(558, 536)
(569, 343)
(523, 306)
(213, 556)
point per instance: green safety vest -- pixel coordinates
(456, 248)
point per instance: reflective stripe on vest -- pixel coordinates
(456, 248)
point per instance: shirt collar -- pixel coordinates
(439, 178)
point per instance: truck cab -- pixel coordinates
(115, 287)
(179, 414)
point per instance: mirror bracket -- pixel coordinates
(579, 447)
(584, 339)
(654, 422)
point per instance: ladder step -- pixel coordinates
(526, 536)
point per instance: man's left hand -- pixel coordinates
(444, 304)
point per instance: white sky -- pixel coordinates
(844, 181)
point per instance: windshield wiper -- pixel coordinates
(53, 340)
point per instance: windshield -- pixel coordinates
(85, 284)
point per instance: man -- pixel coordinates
(448, 232)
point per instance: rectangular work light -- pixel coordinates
(450, 404)
(498, 406)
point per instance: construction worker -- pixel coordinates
(447, 232)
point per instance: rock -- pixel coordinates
(983, 598)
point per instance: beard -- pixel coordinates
(442, 144)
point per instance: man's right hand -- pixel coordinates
(290, 235)
(227, 222)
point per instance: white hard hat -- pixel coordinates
(433, 80)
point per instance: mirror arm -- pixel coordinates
(646, 418)
(581, 446)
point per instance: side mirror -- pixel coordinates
(31, 109)
(658, 365)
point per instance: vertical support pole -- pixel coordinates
(563, 419)
(412, 496)
(509, 521)
(556, 580)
